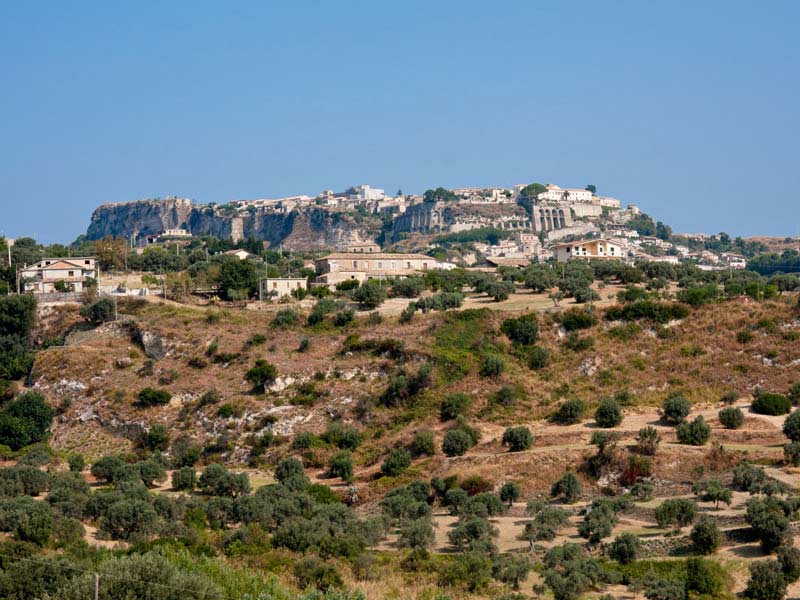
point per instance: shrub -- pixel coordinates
(262, 375)
(517, 438)
(184, 479)
(409, 287)
(456, 442)
(679, 511)
(767, 581)
(747, 477)
(576, 318)
(314, 572)
(99, 311)
(608, 413)
(398, 461)
(647, 440)
(344, 317)
(25, 420)
(771, 404)
(422, 443)
(454, 405)
(76, 462)
(522, 330)
(567, 486)
(509, 492)
(156, 438)
(576, 343)
(694, 433)
(370, 294)
(341, 465)
(491, 366)
(744, 337)
(152, 397)
(625, 548)
(789, 559)
(731, 418)
(289, 468)
(570, 412)
(346, 438)
(706, 536)
(704, 577)
(791, 453)
(285, 317)
(500, 290)
(791, 426)
(675, 409)
(538, 358)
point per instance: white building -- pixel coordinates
(59, 275)
(281, 286)
(364, 193)
(557, 194)
(588, 249)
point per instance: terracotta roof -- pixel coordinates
(579, 242)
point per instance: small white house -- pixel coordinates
(280, 287)
(241, 254)
(588, 249)
(59, 275)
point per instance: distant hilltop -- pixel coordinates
(363, 214)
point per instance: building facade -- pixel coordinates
(59, 275)
(588, 249)
(335, 268)
(278, 287)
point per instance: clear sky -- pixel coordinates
(688, 109)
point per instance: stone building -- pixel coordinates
(338, 267)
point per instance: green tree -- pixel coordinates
(262, 375)
(238, 279)
(370, 294)
(706, 536)
(523, 330)
(608, 413)
(510, 492)
(767, 581)
(567, 486)
(625, 548)
(517, 438)
(396, 462)
(694, 433)
(675, 409)
(456, 442)
(791, 426)
(341, 465)
(99, 311)
(731, 417)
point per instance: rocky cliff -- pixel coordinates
(308, 228)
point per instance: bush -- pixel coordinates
(675, 409)
(538, 358)
(344, 317)
(517, 438)
(500, 290)
(341, 465)
(491, 366)
(706, 536)
(153, 397)
(789, 559)
(791, 453)
(409, 287)
(695, 433)
(285, 317)
(76, 462)
(570, 412)
(647, 440)
(608, 413)
(731, 418)
(456, 442)
(422, 443)
(454, 405)
(184, 479)
(99, 311)
(25, 420)
(156, 438)
(791, 426)
(576, 343)
(625, 548)
(370, 295)
(679, 511)
(568, 487)
(262, 375)
(577, 318)
(16, 358)
(314, 572)
(289, 468)
(771, 404)
(346, 438)
(522, 330)
(398, 461)
(767, 581)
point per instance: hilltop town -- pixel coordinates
(506, 393)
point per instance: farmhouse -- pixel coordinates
(338, 267)
(588, 249)
(59, 275)
(280, 287)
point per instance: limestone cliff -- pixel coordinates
(307, 228)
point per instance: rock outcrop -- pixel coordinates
(306, 228)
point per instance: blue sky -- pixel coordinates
(687, 109)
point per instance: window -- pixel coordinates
(87, 262)
(70, 273)
(380, 265)
(424, 266)
(355, 264)
(408, 265)
(394, 265)
(274, 285)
